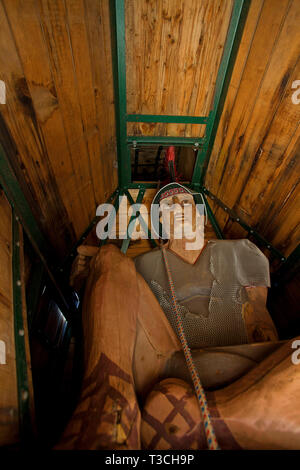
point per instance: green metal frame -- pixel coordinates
(163, 140)
(247, 227)
(211, 217)
(288, 269)
(139, 216)
(81, 239)
(17, 199)
(130, 227)
(124, 141)
(23, 212)
(166, 118)
(37, 278)
(147, 185)
(118, 200)
(117, 14)
(234, 35)
(21, 362)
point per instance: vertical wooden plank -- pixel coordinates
(9, 428)
(273, 159)
(19, 118)
(281, 219)
(28, 105)
(83, 68)
(174, 48)
(26, 335)
(220, 150)
(266, 35)
(57, 38)
(99, 35)
(255, 105)
(218, 154)
(257, 126)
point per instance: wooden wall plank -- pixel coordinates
(31, 158)
(257, 137)
(84, 77)
(57, 38)
(60, 109)
(9, 420)
(235, 120)
(173, 48)
(220, 151)
(26, 333)
(97, 17)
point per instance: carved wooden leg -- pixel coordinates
(107, 416)
(258, 411)
(259, 324)
(156, 340)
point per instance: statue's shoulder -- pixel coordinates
(234, 246)
(148, 256)
(146, 262)
(240, 258)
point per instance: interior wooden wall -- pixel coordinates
(9, 406)
(9, 427)
(173, 51)
(55, 59)
(255, 165)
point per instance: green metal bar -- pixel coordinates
(17, 199)
(126, 241)
(163, 140)
(137, 185)
(117, 15)
(289, 268)
(72, 253)
(234, 35)
(23, 212)
(153, 185)
(114, 214)
(247, 227)
(144, 225)
(21, 363)
(166, 118)
(34, 292)
(212, 218)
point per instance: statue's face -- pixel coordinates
(180, 217)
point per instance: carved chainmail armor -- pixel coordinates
(211, 292)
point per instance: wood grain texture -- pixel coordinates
(30, 156)
(254, 166)
(55, 58)
(9, 428)
(174, 48)
(26, 333)
(64, 133)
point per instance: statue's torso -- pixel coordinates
(211, 292)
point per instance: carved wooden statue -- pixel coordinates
(136, 391)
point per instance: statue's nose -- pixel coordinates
(178, 207)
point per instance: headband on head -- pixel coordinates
(172, 192)
(168, 190)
